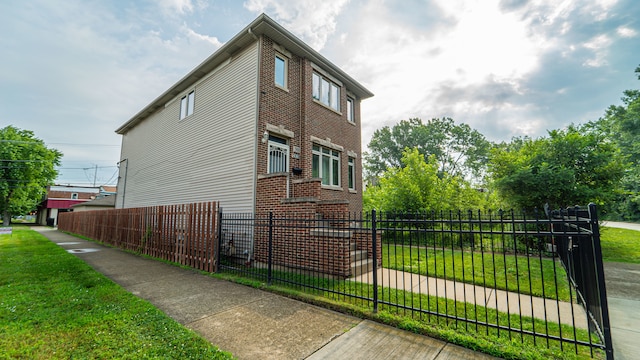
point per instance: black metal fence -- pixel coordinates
(506, 274)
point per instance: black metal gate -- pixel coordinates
(581, 255)
(398, 261)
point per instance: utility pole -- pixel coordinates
(95, 174)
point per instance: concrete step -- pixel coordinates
(361, 267)
(358, 255)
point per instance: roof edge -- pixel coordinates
(262, 25)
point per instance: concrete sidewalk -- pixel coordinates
(251, 323)
(621, 225)
(623, 296)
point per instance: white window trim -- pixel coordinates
(351, 165)
(285, 59)
(332, 158)
(187, 104)
(351, 110)
(330, 103)
(74, 196)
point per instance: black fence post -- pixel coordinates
(374, 241)
(604, 305)
(270, 258)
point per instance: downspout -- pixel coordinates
(252, 34)
(251, 249)
(303, 98)
(124, 183)
(257, 118)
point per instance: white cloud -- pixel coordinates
(599, 46)
(313, 21)
(201, 37)
(626, 32)
(411, 68)
(180, 6)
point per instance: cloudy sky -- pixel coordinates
(73, 71)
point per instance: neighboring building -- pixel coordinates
(60, 198)
(103, 203)
(106, 190)
(264, 123)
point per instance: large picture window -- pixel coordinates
(326, 165)
(326, 91)
(278, 159)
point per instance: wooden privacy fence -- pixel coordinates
(185, 233)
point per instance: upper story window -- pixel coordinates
(186, 104)
(325, 91)
(281, 71)
(351, 116)
(325, 164)
(278, 157)
(74, 196)
(352, 173)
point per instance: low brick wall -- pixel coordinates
(305, 242)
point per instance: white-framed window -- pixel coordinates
(278, 156)
(281, 71)
(187, 104)
(352, 173)
(325, 91)
(351, 116)
(74, 196)
(325, 164)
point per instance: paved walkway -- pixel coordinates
(251, 323)
(504, 301)
(621, 225)
(623, 296)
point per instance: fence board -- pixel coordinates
(184, 233)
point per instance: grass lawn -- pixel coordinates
(53, 305)
(620, 245)
(527, 275)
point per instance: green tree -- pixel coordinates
(458, 149)
(621, 124)
(27, 166)
(418, 185)
(569, 167)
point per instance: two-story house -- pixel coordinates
(264, 123)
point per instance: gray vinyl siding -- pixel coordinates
(209, 155)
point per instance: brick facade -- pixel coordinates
(303, 241)
(293, 114)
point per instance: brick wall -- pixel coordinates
(67, 195)
(296, 246)
(291, 113)
(294, 111)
